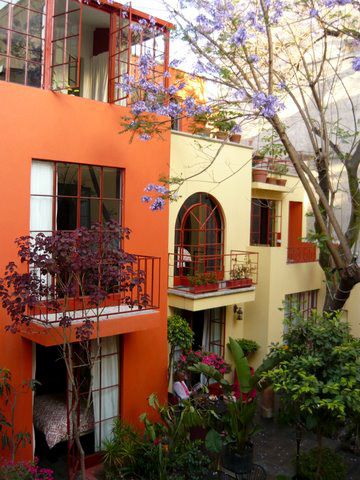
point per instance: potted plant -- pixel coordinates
(259, 171)
(220, 121)
(198, 126)
(203, 283)
(281, 169)
(240, 275)
(248, 346)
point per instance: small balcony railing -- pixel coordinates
(303, 253)
(198, 274)
(121, 299)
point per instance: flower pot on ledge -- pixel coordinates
(235, 138)
(209, 287)
(271, 180)
(239, 283)
(281, 182)
(259, 175)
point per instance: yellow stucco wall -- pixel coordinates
(225, 172)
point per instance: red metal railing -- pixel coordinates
(303, 253)
(209, 273)
(141, 297)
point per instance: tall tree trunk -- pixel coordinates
(349, 277)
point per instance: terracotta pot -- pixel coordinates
(259, 175)
(267, 403)
(239, 283)
(209, 287)
(203, 132)
(221, 135)
(271, 180)
(281, 182)
(235, 138)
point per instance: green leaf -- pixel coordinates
(241, 365)
(213, 441)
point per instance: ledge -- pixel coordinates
(202, 301)
(270, 187)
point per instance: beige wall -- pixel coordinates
(226, 174)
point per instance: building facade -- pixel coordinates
(64, 165)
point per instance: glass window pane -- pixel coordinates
(59, 27)
(89, 212)
(35, 50)
(19, 19)
(41, 213)
(17, 71)
(90, 181)
(34, 75)
(67, 177)
(2, 67)
(3, 40)
(111, 182)
(73, 20)
(60, 6)
(66, 213)
(72, 75)
(36, 25)
(59, 77)
(4, 14)
(23, 3)
(110, 210)
(58, 52)
(42, 178)
(18, 45)
(38, 5)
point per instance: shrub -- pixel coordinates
(332, 466)
(248, 346)
(24, 471)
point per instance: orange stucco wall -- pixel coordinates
(52, 126)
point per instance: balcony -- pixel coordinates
(197, 282)
(128, 299)
(268, 174)
(304, 252)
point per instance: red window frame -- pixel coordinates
(304, 302)
(79, 197)
(32, 40)
(73, 454)
(217, 316)
(273, 227)
(206, 256)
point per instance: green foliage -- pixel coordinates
(318, 373)
(164, 451)
(179, 333)
(202, 279)
(248, 346)
(121, 452)
(223, 120)
(332, 466)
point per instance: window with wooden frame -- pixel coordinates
(265, 228)
(199, 237)
(80, 49)
(22, 41)
(216, 338)
(65, 196)
(302, 302)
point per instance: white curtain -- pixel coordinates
(100, 77)
(42, 177)
(105, 388)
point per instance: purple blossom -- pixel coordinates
(240, 37)
(149, 187)
(313, 12)
(161, 189)
(145, 199)
(281, 85)
(333, 3)
(253, 58)
(145, 137)
(139, 107)
(268, 105)
(158, 204)
(356, 64)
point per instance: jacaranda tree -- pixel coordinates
(266, 56)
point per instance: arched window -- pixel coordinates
(199, 237)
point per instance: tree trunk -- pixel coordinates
(349, 277)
